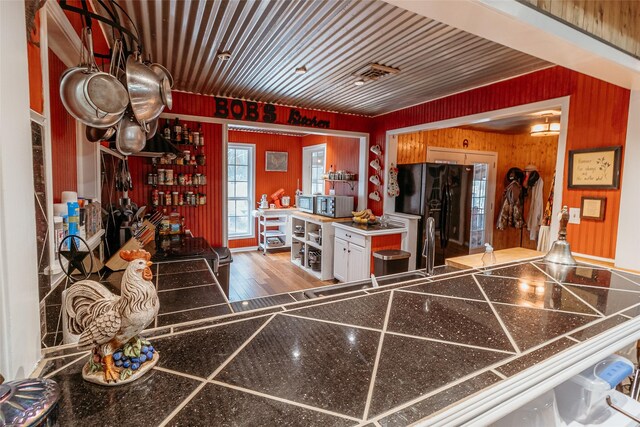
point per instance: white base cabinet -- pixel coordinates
(350, 261)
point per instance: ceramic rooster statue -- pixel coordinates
(110, 324)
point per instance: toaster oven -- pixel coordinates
(334, 206)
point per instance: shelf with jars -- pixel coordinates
(161, 198)
(180, 134)
(169, 178)
(177, 180)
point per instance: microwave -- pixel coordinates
(306, 203)
(334, 206)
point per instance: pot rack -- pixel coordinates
(113, 22)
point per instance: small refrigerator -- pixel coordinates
(441, 191)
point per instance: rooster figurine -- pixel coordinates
(107, 323)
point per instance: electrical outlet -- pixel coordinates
(574, 215)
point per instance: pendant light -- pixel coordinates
(545, 129)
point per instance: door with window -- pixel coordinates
(241, 191)
(313, 168)
(482, 195)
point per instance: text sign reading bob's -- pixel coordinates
(236, 109)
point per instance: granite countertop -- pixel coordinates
(392, 355)
(370, 229)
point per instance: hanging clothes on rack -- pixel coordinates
(534, 184)
(511, 205)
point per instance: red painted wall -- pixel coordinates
(269, 182)
(207, 221)
(597, 118)
(63, 135)
(36, 99)
(201, 220)
(379, 243)
(343, 154)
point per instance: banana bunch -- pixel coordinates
(364, 216)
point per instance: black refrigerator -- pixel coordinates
(442, 191)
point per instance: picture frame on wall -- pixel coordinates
(276, 161)
(595, 168)
(593, 208)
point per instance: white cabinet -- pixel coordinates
(357, 263)
(349, 261)
(355, 245)
(340, 260)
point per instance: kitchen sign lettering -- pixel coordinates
(237, 109)
(244, 110)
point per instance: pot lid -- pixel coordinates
(27, 402)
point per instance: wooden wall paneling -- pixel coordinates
(614, 22)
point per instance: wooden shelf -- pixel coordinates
(161, 165)
(175, 185)
(352, 183)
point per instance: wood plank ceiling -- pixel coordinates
(615, 22)
(333, 39)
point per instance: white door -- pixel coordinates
(357, 263)
(340, 260)
(483, 190)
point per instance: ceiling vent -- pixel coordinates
(375, 72)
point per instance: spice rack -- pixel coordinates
(172, 178)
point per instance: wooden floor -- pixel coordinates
(255, 275)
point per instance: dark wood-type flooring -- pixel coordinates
(255, 275)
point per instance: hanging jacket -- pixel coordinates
(536, 209)
(511, 207)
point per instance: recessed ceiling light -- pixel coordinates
(359, 82)
(301, 70)
(224, 56)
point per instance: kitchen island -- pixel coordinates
(355, 244)
(463, 347)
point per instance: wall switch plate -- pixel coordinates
(574, 215)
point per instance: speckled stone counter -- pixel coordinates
(386, 356)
